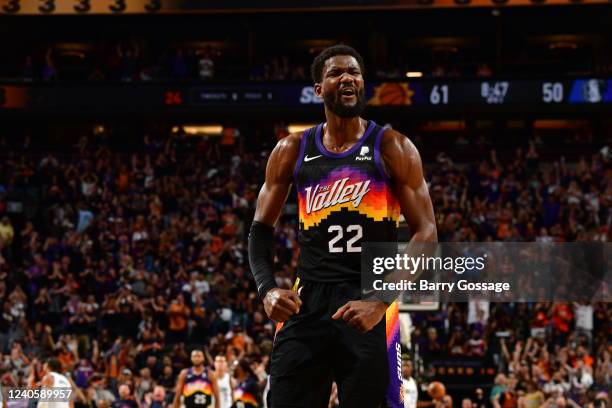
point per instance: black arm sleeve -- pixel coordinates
(261, 257)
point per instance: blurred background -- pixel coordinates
(133, 143)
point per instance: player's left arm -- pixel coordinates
(402, 163)
(212, 376)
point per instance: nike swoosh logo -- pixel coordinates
(307, 159)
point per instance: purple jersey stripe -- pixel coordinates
(300, 159)
(377, 159)
(353, 149)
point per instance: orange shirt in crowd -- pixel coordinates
(216, 245)
(238, 341)
(227, 137)
(178, 316)
(561, 317)
(66, 358)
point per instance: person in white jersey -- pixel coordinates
(223, 381)
(411, 394)
(53, 379)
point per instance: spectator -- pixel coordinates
(49, 72)
(126, 399)
(178, 313)
(156, 399)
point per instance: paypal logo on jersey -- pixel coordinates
(363, 154)
(308, 96)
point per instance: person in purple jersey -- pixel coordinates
(353, 178)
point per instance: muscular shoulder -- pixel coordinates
(394, 144)
(283, 158)
(290, 144)
(400, 156)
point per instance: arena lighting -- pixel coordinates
(299, 127)
(414, 74)
(563, 45)
(200, 130)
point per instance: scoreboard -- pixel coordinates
(431, 95)
(508, 92)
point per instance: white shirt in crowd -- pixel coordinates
(584, 316)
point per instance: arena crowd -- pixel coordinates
(123, 257)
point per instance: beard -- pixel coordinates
(333, 102)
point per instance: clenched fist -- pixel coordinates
(361, 314)
(280, 304)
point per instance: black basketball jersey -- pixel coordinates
(344, 199)
(247, 394)
(197, 391)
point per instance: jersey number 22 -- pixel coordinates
(356, 234)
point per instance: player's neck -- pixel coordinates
(342, 131)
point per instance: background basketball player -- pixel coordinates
(52, 378)
(197, 385)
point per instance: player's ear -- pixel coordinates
(318, 89)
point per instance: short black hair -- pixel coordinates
(54, 365)
(316, 69)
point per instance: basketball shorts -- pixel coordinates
(311, 351)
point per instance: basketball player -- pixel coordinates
(53, 379)
(247, 392)
(223, 381)
(353, 178)
(411, 392)
(197, 385)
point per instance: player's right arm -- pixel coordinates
(178, 389)
(279, 304)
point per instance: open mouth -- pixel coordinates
(348, 92)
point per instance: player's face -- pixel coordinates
(342, 87)
(197, 358)
(220, 363)
(407, 369)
